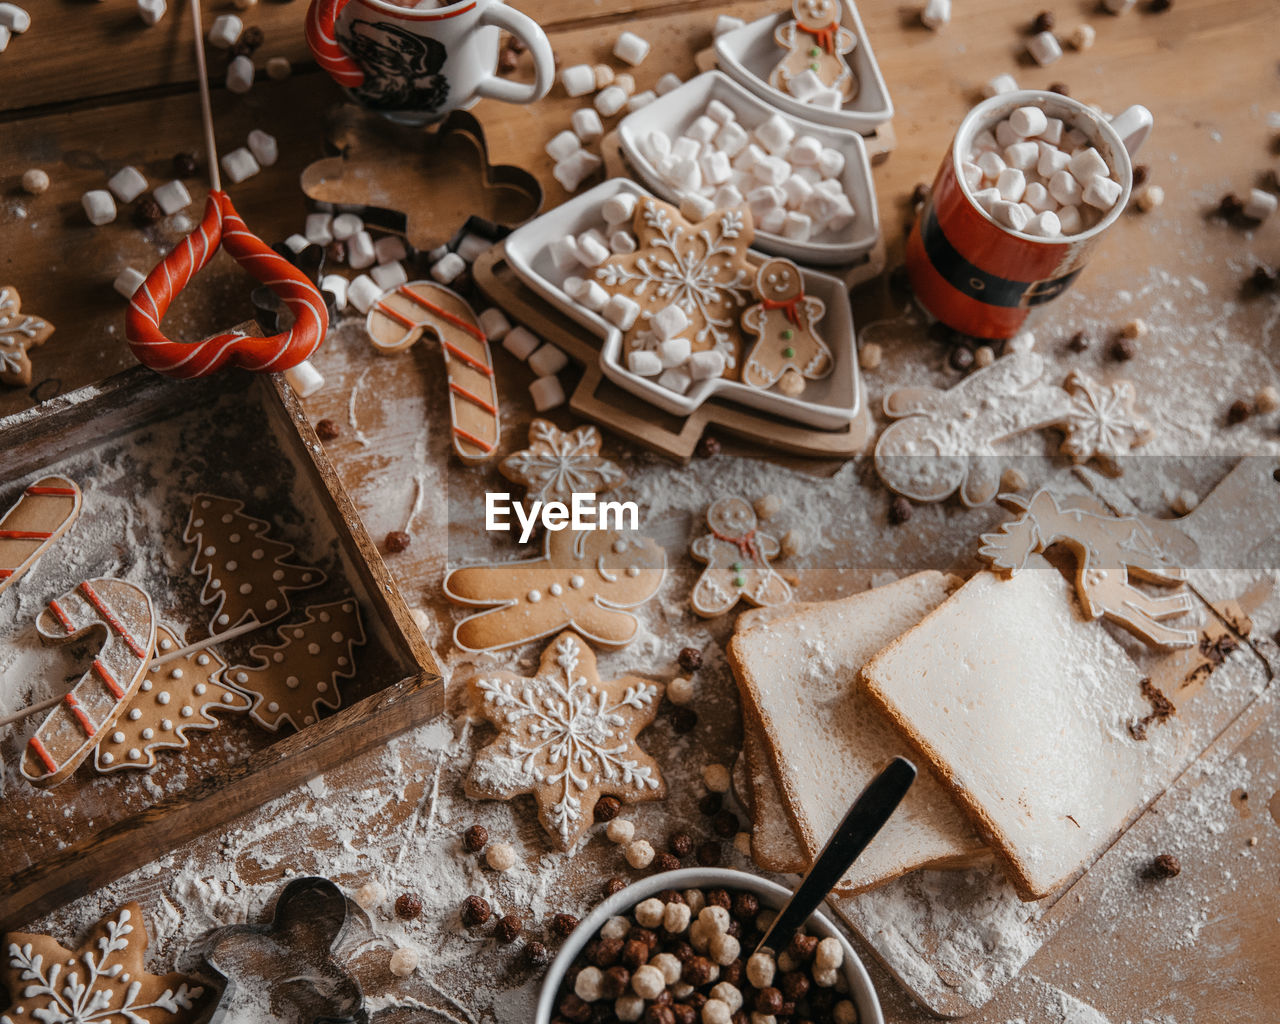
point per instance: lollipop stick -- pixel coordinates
(206, 110)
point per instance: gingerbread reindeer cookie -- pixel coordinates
(815, 43)
(737, 554)
(583, 581)
(789, 350)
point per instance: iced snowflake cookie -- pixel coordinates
(558, 463)
(816, 45)
(43, 513)
(701, 268)
(737, 554)
(19, 333)
(566, 738)
(789, 349)
(103, 981)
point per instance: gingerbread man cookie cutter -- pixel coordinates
(948, 441)
(737, 555)
(584, 581)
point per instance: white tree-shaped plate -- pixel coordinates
(829, 404)
(678, 109)
(748, 55)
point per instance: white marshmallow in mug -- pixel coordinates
(1051, 160)
(1022, 155)
(971, 174)
(1069, 220)
(1102, 193)
(1028, 121)
(1087, 164)
(987, 198)
(716, 168)
(774, 221)
(991, 164)
(685, 148)
(1011, 184)
(631, 48)
(1011, 215)
(1064, 188)
(1037, 197)
(797, 227)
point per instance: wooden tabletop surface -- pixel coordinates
(89, 89)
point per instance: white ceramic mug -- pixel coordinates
(415, 65)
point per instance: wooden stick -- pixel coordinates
(206, 109)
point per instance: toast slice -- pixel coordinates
(799, 677)
(774, 843)
(1022, 707)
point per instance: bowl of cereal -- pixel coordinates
(682, 942)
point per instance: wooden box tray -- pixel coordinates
(141, 446)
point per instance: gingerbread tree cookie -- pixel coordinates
(737, 554)
(567, 738)
(702, 268)
(248, 575)
(102, 982)
(559, 463)
(789, 349)
(19, 333)
(174, 698)
(292, 681)
(815, 42)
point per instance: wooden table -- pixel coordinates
(88, 90)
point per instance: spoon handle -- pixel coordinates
(865, 818)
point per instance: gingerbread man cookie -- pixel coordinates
(567, 738)
(583, 581)
(737, 554)
(789, 349)
(816, 43)
(19, 333)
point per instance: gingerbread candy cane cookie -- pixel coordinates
(74, 727)
(403, 315)
(44, 513)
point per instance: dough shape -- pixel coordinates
(567, 738)
(75, 725)
(583, 581)
(19, 333)
(815, 42)
(1108, 550)
(44, 513)
(785, 322)
(105, 980)
(558, 463)
(403, 314)
(737, 554)
(173, 699)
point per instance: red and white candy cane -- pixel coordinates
(323, 40)
(222, 226)
(78, 721)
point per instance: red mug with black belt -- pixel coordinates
(982, 278)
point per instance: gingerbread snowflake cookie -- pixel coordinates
(737, 554)
(816, 46)
(566, 738)
(19, 333)
(103, 981)
(559, 463)
(789, 349)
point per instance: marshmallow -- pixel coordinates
(1150, 197)
(295, 243)
(128, 281)
(622, 242)
(991, 165)
(1118, 6)
(336, 286)
(675, 379)
(999, 85)
(1037, 197)
(772, 170)
(1259, 206)
(764, 199)
(831, 163)
(564, 145)
(621, 312)
(609, 101)
(631, 48)
(1044, 48)
(1082, 37)
(1022, 155)
(494, 323)
(987, 198)
(703, 129)
(706, 365)
(521, 342)
(984, 140)
(389, 275)
(5, 36)
(747, 159)
(604, 75)
(263, 147)
(775, 134)
(363, 292)
(1051, 160)
(1064, 188)
(656, 145)
(727, 197)
(1069, 220)
(806, 85)
(304, 378)
(224, 31)
(971, 174)
(238, 165)
(667, 83)
(644, 364)
(592, 251)
(773, 222)
(641, 100)
(936, 13)
(390, 248)
(797, 191)
(720, 113)
(1028, 121)
(240, 75)
(594, 297)
(151, 11)
(1086, 164)
(1011, 184)
(448, 268)
(619, 208)
(716, 169)
(1052, 131)
(625, 82)
(828, 99)
(15, 18)
(1073, 139)
(731, 139)
(319, 228)
(548, 360)
(172, 196)
(805, 151)
(279, 68)
(1011, 215)
(724, 23)
(685, 148)
(546, 393)
(668, 322)
(564, 252)
(1044, 223)
(1005, 135)
(574, 170)
(1102, 193)
(127, 184)
(578, 80)
(695, 207)
(35, 181)
(797, 227)
(345, 225)
(360, 252)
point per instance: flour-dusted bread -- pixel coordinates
(1023, 706)
(799, 676)
(774, 843)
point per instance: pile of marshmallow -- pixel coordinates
(1034, 174)
(791, 181)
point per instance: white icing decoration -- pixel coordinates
(313, 649)
(199, 689)
(576, 582)
(555, 590)
(534, 596)
(162, 697)
(108, 758)
(293, 682)
(167, 725)
(134, 714)
(558, 463)
(187, 711)
(148, 733)
(135, 754)
(117, 737)
(176, 673)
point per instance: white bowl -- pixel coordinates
(829, 404)
(749, 54)
(674, 112)
(770, 894)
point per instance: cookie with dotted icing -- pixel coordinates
(176, 696)
(584, 580)
(789, 348)
(292, 681)
(247, 573)
(737, 554)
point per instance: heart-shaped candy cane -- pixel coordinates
(222, 226)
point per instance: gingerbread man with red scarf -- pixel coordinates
(785, 320)
(737, 554)
(815, 42)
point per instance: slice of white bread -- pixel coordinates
(1022, 706)
(799, 677)
(774, 844)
